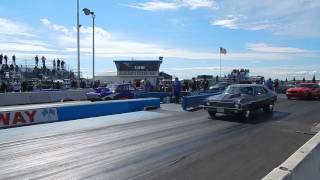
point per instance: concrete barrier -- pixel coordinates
(13, 117)
(8, 99)
(27, 117)
(105, 108)
(304, 164)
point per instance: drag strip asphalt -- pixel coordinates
(161, 144)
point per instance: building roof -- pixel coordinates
(139, 61)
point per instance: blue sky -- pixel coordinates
(273, 38)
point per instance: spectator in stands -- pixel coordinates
(58, 64)
(43, 62)
(36, 60)
(269, 84)
(1, 58)
(176, 86)
(3, 87)
(24, 86)
(62, 65)
(5, 59)
(14, 60)
(54, 63)
(11, 67)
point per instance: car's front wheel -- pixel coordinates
(269, 108)
(212, 114)
(247, 114)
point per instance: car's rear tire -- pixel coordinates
(269, 108)
(107, 98)
(212, 114)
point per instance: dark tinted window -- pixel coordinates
(239, 90)
(260, 91)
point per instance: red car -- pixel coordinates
(304, 90)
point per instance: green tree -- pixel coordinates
(314, 79)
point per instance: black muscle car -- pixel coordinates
(241, 99)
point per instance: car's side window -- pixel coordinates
(126, 88)
(259, 91)
(131, 88)
(119, 89)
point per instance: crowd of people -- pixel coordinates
(14, 78)
(273, 85)
(5, 65)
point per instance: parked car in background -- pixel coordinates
(304, 90)
(113, 92)
(241, 99)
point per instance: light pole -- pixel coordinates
(78, 39)
(88, 13)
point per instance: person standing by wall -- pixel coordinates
(276, 85)
(1, 58)
(62, 65)
(36, 60)
(5, 60)
(14, 60)
(54, 64)
(58, 64)
(43, 62)
(269, 84)
(194, 84)
(176, 90)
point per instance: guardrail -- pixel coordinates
(191, 102)
(14, 117)
(20, 98)
(303, 164)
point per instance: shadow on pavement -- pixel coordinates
(257, 117)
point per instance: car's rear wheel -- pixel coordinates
(269, 108)
(107, 98)
(212, 114)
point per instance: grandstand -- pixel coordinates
(19, 77)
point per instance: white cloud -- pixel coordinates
(268, 48)
(19, 38)
(9, 27)
(108, 46)
(228, 23)
(16, 47)
(157, 5)
(287, 17)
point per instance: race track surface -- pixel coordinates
(162, 144)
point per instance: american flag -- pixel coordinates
(223, 50)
